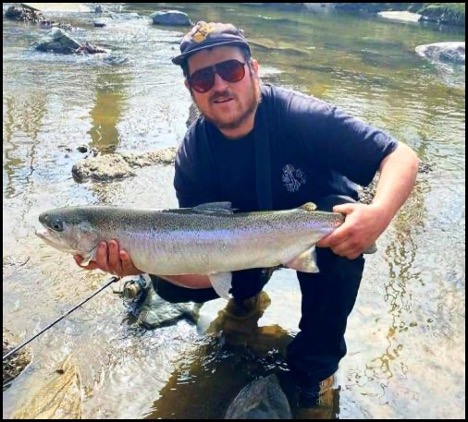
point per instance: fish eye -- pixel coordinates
(57, 225)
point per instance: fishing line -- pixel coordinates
(112, 280)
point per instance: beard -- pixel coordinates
(238, 119)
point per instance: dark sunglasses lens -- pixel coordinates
(202, 80)
(231, 70)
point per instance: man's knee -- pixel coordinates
(177, 294)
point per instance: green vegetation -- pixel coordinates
(453, 13)
(447, 13)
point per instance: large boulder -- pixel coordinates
(23, 14)
(170, 17)
(118, 166)
(452, 52)
(400, 15)
(58, 41)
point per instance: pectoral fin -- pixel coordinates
(87, 257)
(305, 262)
(221, 282)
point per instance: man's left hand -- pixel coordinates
(361, 228)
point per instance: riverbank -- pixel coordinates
(441, 13)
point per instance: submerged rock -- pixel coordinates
(17, 362)
(57, 41)
(151, 310)
(118, 166)
(263, 398)
(59, 398)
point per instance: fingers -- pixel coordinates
(127, 264)
(343, 243)
(111, 259)
(114, 261)
(333, 239)
(102, 260)
(347, 249)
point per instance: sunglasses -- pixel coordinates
(203, 80)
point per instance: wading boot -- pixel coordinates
(318, 402)
(239, 319)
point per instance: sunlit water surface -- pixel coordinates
(406, 334)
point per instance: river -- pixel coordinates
(406, 334)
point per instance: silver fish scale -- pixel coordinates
(182, 241)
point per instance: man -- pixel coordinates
(260, 146)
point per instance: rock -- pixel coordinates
(263, 398)
(60, 42)
(151, 310)
(101, 168)
(59, 398)
(15, 364)
(117, 166)
(400, 16)
(170, 17)
(99, 23)
(23, 14)
(452, 52)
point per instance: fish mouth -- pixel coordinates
(42, 232)
(54, 239)
(47, 236)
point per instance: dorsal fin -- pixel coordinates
(309, 207)
(224, 207)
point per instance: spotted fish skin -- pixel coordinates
(208, 239)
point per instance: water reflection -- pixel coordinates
(107, 110)
(407, 329)
(22, 122)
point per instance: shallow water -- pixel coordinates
(406, 334)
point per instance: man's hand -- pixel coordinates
(361, 228)
(111, 259)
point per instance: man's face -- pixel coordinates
(228, 105)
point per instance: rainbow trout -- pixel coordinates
(208, 239)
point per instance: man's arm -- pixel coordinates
(365, 223)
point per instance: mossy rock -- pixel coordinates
(15, 364)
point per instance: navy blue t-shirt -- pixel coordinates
(316, 150)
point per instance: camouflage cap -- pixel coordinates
(207, 35)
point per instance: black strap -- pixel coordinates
(262, 160)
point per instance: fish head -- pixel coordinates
(68, 230)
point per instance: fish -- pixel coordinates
(209, 239)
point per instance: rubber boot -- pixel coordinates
(320, 402)
(239, 319)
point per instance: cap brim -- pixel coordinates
(183, 57)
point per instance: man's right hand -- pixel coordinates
(111, 259)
